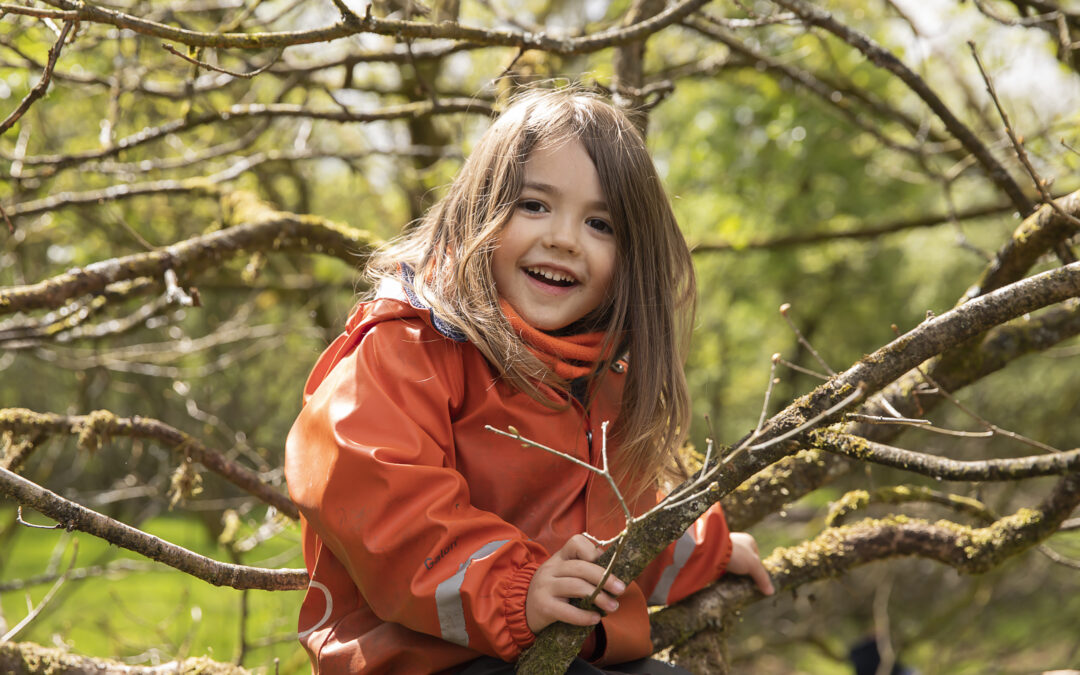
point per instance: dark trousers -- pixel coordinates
(487, 665)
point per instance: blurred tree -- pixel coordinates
(191, 185)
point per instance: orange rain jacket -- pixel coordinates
(422, 530)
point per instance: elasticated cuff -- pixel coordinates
(517, 591)
(725, 559)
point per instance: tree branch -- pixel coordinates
(265, 230)
(94, 428)
(837, 550)
(1014, 468)
(75, 517)
(265, 111)
(25, 658)
(43, 84)
(397, 29)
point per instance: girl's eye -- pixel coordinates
(599, 224)
(532, 205)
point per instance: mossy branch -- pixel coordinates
(971, 550)
(263, 229)
(791, 478)
(96, 428)
(400, 30)
(854, 500)
(76, 517)
(1036, 235)
(25, 658)
(1014, 468)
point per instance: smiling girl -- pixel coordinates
(549, 290)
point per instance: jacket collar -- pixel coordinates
(403, 290)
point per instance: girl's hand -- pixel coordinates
(745, 559)
(570, 573)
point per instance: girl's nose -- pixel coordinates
(562, 233)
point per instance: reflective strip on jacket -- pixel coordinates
(422, 530)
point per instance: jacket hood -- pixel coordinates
(395, 299)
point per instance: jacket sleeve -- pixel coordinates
(691, 562)
(369, 463)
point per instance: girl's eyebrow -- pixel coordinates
(556, 192)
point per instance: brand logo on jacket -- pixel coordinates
(430, 562)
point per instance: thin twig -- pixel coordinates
(1057, 557)
(1017, 143)
(11, 226)
(43, 84)
(921, 423)
(876, 419)
(784, 308)
(24, 523)
(991, 427)
(57, 14)
(768, 393)
(805, 371)
(512, 432)
(209, 66)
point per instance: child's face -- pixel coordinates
(556, 256)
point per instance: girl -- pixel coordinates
(550, 290)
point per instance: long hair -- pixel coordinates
(649, 312)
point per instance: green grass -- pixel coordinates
(159, 615)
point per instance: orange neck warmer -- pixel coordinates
(570, 357)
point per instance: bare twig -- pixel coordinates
(991, 428)
(209, 66)
(19, 519)
(805, 371)
(768, 394)
(43, 84)
(1018, 145)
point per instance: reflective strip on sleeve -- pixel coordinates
(684, 547)
(448, 599)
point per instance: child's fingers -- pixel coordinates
(578, 547)
(762, 579)
(560, 610)
(572, 587)
(591, 573)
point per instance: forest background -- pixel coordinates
(190, 186)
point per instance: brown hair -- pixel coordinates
(649, 312)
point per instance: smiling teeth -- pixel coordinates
(547, 274)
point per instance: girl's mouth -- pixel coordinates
(546, 276)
